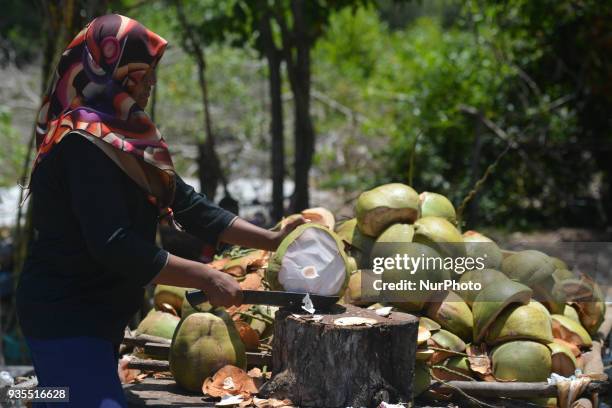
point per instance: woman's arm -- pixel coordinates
(243, 233)
(221, 288)
(212, 224)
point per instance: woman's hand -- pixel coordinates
(287, 229)
(247, 235)
(222, 289)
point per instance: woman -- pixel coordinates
(102, 179)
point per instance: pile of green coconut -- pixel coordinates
(498, 333)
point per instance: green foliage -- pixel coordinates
(13, 150)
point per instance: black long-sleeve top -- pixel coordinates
(93, 249)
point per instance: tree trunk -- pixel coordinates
(209, 171)
(299, 77)
(323, 364)
(276, 127)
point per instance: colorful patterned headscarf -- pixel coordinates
(88, 95)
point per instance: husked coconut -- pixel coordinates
(310, 259)
(202, 344)
(385, 205)
(437, 205)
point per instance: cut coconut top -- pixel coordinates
(314, 264)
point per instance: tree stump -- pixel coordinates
(319, 363)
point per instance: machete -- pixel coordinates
(291, 300)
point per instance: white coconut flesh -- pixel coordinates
(313, 264)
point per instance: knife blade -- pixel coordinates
(272, 298)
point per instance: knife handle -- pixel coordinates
(195, 297)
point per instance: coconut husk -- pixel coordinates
(455, 368)
(230, 380)
(423, 335)
(444, 340)
(429, 324)
(453, 314)
(520, 360)
(567, 329)
(563, 360)
(479, 361)
(321, 216)
(572, 347)
(385, 205)
(524, 322)
(248, 335)
(249, 262)
(492, 301)
(252, 281)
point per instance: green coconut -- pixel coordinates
(587, 298)
(545, 291)
(492, 301)
(396, 242)
(360, 244)
(202, 344)
(437, 205)
(571, 313)
(455, 368)
(187, 309)
(535, 303)
(354, 292)
(172, 295)
(157, 323)
(422, 378)
(563, 360)
(429, 324)
(485, 277)
(529, 267)
(559, 263)
(397, 233)
(521, 322)
(521, 360)
(453, 314)
(441, 235)
(478, 246)
(385, 205)
(443, 339)
(571, 331)
(311, 259)
(563, 274)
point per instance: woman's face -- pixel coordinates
(142, 90)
